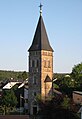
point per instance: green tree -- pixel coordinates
(57, 108)
(66, 103)
(77, 74)
(24, 75)
(68, 81)
(9, 100)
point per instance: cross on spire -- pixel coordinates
(40, 8)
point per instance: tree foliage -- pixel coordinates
(77, 74)
(66, 103)
(24, 75)
(59, 76)
(57, 108)
(12, 74)
(9, 100)
(69, 82)
(77, 71)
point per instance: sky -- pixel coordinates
(18, 21)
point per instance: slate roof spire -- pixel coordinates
(40, 40)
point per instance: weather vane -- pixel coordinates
(40, 8)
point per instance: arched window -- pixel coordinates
(30, 63)
(34, 93)
(37, 63)
(48, 63)
(33, 63)
(45, 63)
(34, 80)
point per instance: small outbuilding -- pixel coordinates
(77, 97)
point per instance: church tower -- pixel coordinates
(40, 66)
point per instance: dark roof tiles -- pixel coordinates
(40, 41)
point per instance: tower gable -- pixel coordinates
(47, 79)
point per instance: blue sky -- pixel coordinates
(18, 20)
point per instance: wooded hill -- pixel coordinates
(18, 75)
(9, 74)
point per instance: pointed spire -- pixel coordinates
(40, 40)
(40, 9)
